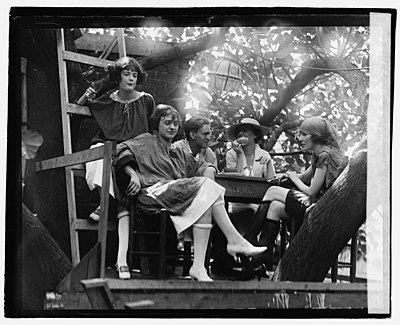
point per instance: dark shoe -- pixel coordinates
(264, 260)
(249, 274)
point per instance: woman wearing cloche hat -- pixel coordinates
(247, 158)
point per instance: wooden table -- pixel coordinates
(246, 189)
(243, 189)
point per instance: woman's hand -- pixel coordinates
(134, 185)
(209, 172)
(236, 146)
(263, 160)
(292, 175)
(281, 176)
(90, 93)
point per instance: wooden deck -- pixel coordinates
(180, 293)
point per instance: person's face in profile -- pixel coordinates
(306, 141)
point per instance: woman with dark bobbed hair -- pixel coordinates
(122, 113)
(162, 176)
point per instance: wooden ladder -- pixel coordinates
(74, 162)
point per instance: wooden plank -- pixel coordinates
(134, 46)
(121, 42)
(221, 285)
(84, 59)
(71, 159)
(109, 149)
(69, 177)
(83, 224)
(78, 110)
(87, 268)
(139, 304)
(231, 295)
(99, 293)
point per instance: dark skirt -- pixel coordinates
(296, 204)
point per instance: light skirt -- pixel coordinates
(208, 193)
(94, 173)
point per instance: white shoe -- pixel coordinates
(123, 272)
(200, 275)
(95, 215)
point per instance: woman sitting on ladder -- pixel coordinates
(121, 114)
(161, 176)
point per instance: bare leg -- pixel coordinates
(276, 193)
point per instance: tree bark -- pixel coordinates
(328, 227)
(42, 264)
(181, 50)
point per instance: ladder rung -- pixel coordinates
(83, 224)
(78, 110)
(345, 265)
(85, 59)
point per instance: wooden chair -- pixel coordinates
(153, 240)
(351, 264)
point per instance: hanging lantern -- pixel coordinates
(226, 76)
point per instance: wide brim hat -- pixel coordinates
(259, 130)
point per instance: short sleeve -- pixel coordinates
(231, 159)
(325, 159)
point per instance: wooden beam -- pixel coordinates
(109, 150)
(85, 59)
(78, 110)
(71, 159)
(134, 46)
(121, 42)
(83, 224)
(99, 293)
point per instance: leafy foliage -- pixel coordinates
(273, 61)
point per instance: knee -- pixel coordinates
(276, 210)
(271, 193)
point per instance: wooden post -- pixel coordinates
(121, 42)
(104, 203)
(62, 69)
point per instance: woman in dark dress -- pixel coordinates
(122, 113)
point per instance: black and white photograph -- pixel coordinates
(214, 162)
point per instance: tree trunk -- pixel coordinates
(181, 50)
(42, 263)
(328, 227)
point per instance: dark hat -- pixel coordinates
(258, 129)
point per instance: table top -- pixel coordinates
(239, 188)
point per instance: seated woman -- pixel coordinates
(319, 136)
(248, 159)
(164, 177)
